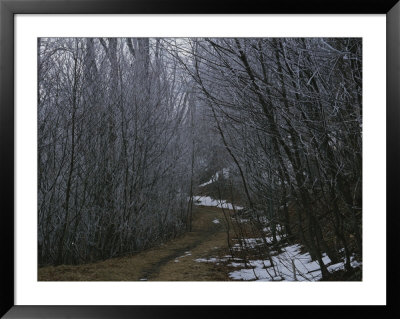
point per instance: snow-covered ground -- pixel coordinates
(254, 242)
(211, 260)
(215, 177)
(285, 266)
(187, 253)
(288, 265)
(208, 201)
(206, 183)
(240, 220)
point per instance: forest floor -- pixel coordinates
(203, 255)
(181, 259)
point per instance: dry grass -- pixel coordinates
(159, 263)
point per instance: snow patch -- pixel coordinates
(208, 201)
(215, 177)
(282, 267)
(235, 264)
(187, 253)
(290, 265)
(206, 183)
(210, 260)
(255, 242)
(241, 220)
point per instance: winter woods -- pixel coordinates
(288, 112)
(129, 128)
(114, 159)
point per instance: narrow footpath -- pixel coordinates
(175, 260)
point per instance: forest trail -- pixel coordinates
(174, 260)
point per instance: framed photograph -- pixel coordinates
(161, 158)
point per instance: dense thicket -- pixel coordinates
(127, 129)
(289, 113)
(114, 160)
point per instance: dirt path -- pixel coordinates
(172, 261)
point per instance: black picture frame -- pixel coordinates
(8, 8)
